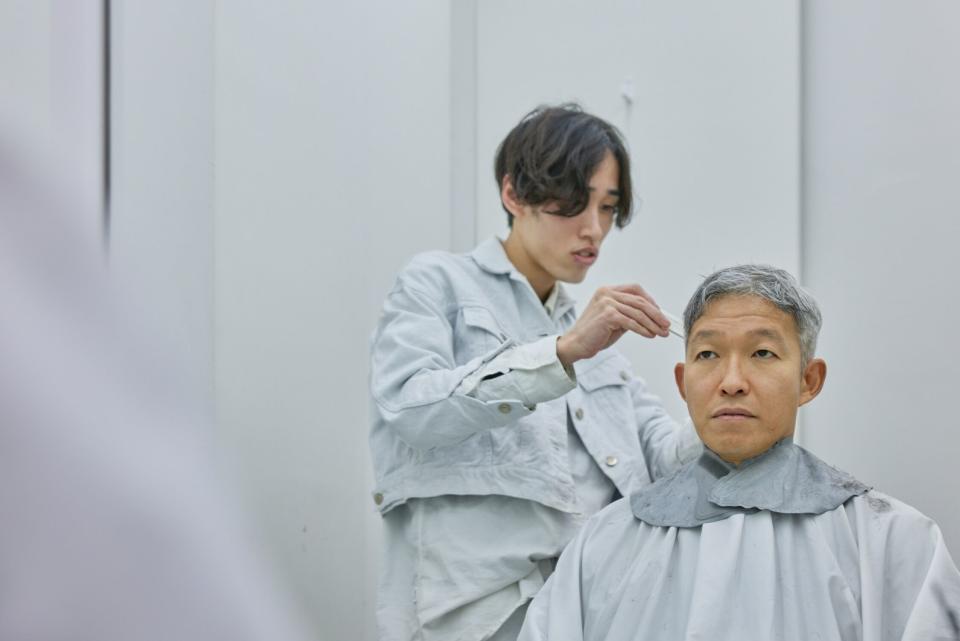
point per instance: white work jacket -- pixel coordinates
(446, 318)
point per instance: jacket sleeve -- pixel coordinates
(531, 372)
(414, 378)
(666, 445)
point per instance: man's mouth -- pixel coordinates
(733, 413)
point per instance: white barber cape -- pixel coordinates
(755, 553)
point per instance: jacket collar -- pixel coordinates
(491, 257)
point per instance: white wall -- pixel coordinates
(51, 96)
(713, 132)
(161, 234)
(880, 244)
(26, 60)
(333, 125)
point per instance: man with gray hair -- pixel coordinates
(758, 538)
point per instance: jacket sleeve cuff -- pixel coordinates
(530, 372)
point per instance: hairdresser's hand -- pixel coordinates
(612, 312)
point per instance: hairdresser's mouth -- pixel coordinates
(586, 256)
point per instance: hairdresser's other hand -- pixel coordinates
(611, 313)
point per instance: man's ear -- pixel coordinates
(509, 198)
(678, 376)
(813, 377)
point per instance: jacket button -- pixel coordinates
(504, 408)
(579, 413)
(624, 375)
(612, 460)
(378, 498)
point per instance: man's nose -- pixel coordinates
(734, 383)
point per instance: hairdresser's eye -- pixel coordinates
(554, 208)
(705, 355)
(613, 210)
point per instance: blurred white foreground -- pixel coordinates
(115, 524)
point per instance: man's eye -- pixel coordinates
(705, 355)
(764, 354)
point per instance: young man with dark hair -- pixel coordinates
(500, 420)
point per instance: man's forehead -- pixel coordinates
(739, 315)
(759, 332)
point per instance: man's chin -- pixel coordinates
(737, 455)
(732, 449)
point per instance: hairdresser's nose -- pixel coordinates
(591, 224)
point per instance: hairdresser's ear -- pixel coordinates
(508, 195)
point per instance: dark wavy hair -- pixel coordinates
(552, 153)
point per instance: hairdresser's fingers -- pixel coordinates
(637, 321)
(635, 289)
(659, 323)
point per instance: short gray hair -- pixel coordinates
(770, 283)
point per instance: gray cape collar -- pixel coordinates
(785, 479)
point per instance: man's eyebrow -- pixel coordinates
(705, 334)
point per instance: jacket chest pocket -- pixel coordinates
(609, 424)
(477, 333)
(605, 385)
